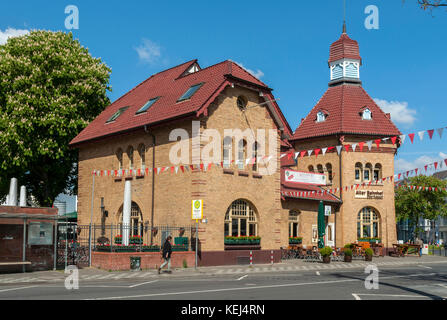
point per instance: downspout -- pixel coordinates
(153, 180)
(341, 195)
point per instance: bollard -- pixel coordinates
(271, 257)
(251, 258)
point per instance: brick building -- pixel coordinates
(240, 197)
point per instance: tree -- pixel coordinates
(430, 4)
(415, 205)
(50, 89)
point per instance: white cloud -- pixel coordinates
(148, 51)
(402, 165)
(10, 33)
(257, 74)
(400, 113)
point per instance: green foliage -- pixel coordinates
(347, 252)
(369, 252)
(349, 246)
(50, 89)
(326, 251)
(185, 264)
(414, 205)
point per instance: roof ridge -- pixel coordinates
(214, 65)
(243, 69)
(308, 114)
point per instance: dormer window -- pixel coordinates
(366, 114)
(321, 116)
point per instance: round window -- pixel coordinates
(241, 102)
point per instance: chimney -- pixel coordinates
(388, 115)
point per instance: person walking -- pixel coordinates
(166, 254)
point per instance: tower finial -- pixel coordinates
(344, 16)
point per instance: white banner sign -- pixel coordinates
(197, 209)
(305, 177)
(327, 210)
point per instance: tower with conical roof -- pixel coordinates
(347, 116)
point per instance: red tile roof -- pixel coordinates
(343, 105)
(170, 85)
(344, 47)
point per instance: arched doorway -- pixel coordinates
(368, 223)
(241, 219)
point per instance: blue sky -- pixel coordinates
(285, 43)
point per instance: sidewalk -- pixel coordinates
(286, 266)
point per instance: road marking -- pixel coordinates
(356, 295)
(12, 289)
(140, 284)
(317, 273)
(250, 288)
(243, 277)
(427, 267)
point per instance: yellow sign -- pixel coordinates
(197, 209)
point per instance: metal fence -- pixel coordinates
(437, 251)
(75, 241)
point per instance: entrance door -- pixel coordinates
(330, 235)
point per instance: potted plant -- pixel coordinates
(118, 239)
(347, 254)
(326, 254)
(295, 240)
(368, 254)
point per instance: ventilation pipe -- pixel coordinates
(23, 196)
(127, 205)
(13, 193)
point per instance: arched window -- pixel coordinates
(321, 116)
(366, 114)
(142, 153)
(119, 157)
(377, 172)
(367, 172)
(320, 168)
(242, 153)
(227, 142)
(368, 223)
(358, 171)
(255, 156)
(240, 220)
(293, 223)
(130, 156)
(311, 168)
(329, 172)
(136, 220)
(242, 102)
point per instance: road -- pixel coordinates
(408, 282)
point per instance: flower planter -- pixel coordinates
(150, 249)
(372, 240)
(368, 258)
(348, 259)
(295, 240)
(179, 248)
(326, 259)
(242, 241)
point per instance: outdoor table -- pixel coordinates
(400, 249)
(414, 246)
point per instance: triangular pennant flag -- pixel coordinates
(176, 170)
(339, 149)
(398, 176)
(378, 143)
(282, 156)
(172, 169)
(430, 133)
(436, 165)
(421, 134)
(402, 138)
(191, 166)
(324, 151)
(209, 166)
(317, 151)
(297, 154)
(302, 153)
(393, 140)
(289, 155)
(445, 162)
(416, 170)
(347, 147)
(182, 168)
(369, 144)
(201, 166)
(309, 152)
(354, 145)
(411, 135)
(361, 146)
(426, 166)
(440, 132)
